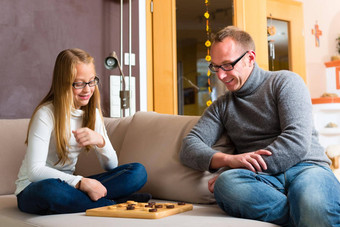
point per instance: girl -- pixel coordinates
(67, 122)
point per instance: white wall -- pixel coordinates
(142, 56)
(327, 14)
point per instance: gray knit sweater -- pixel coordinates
(271, 111)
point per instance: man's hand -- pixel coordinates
(252, 161)
(93, 188)
(86, 136)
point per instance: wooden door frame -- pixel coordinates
(161, 56)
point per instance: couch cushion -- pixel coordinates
(201, 215)
(155, 140)
(13, 149)
(116, 130)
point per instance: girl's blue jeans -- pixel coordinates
(305, 195)
(54, 196)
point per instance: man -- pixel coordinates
(279, 172)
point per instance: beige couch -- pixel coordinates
(149, 138)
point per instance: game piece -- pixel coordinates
(132, 209)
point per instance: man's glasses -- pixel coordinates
(81, 85)
(226, 67)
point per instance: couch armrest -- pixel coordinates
(12, 139)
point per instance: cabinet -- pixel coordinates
(326, 114)
(333, 77)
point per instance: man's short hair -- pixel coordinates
(238, 35)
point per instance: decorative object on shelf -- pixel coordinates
(331, 125)
(338, 44)
(317, 33)
(326, 94)
(333, 153)
(337, 57)
(207, 45)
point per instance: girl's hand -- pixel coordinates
(86, 136)
(93, 188)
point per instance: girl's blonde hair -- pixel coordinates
(61, 96)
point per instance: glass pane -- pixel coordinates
(192, 67)
(278, 44)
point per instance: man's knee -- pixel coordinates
(314, 198)
(232, 185)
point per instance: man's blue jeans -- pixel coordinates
(53, 196)
(305, 195)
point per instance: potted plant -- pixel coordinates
(337, 57)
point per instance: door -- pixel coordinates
(164, 69)
(195, 22)
(169, 90)
(289, 16)
(161, 56)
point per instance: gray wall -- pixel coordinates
(33, 32)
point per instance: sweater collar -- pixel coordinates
(77, 112)
(254, 80)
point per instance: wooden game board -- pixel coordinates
(132, 209)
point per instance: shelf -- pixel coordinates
(326, 107)
(329, 131)
(325, 100)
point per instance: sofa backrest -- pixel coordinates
(12, 152)
(13, 149)
(155, 140)
(116, 128)
(149, 138)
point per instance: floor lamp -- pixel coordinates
(112, 62)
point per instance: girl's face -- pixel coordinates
(85, 74)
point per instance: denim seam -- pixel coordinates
(117, 174)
